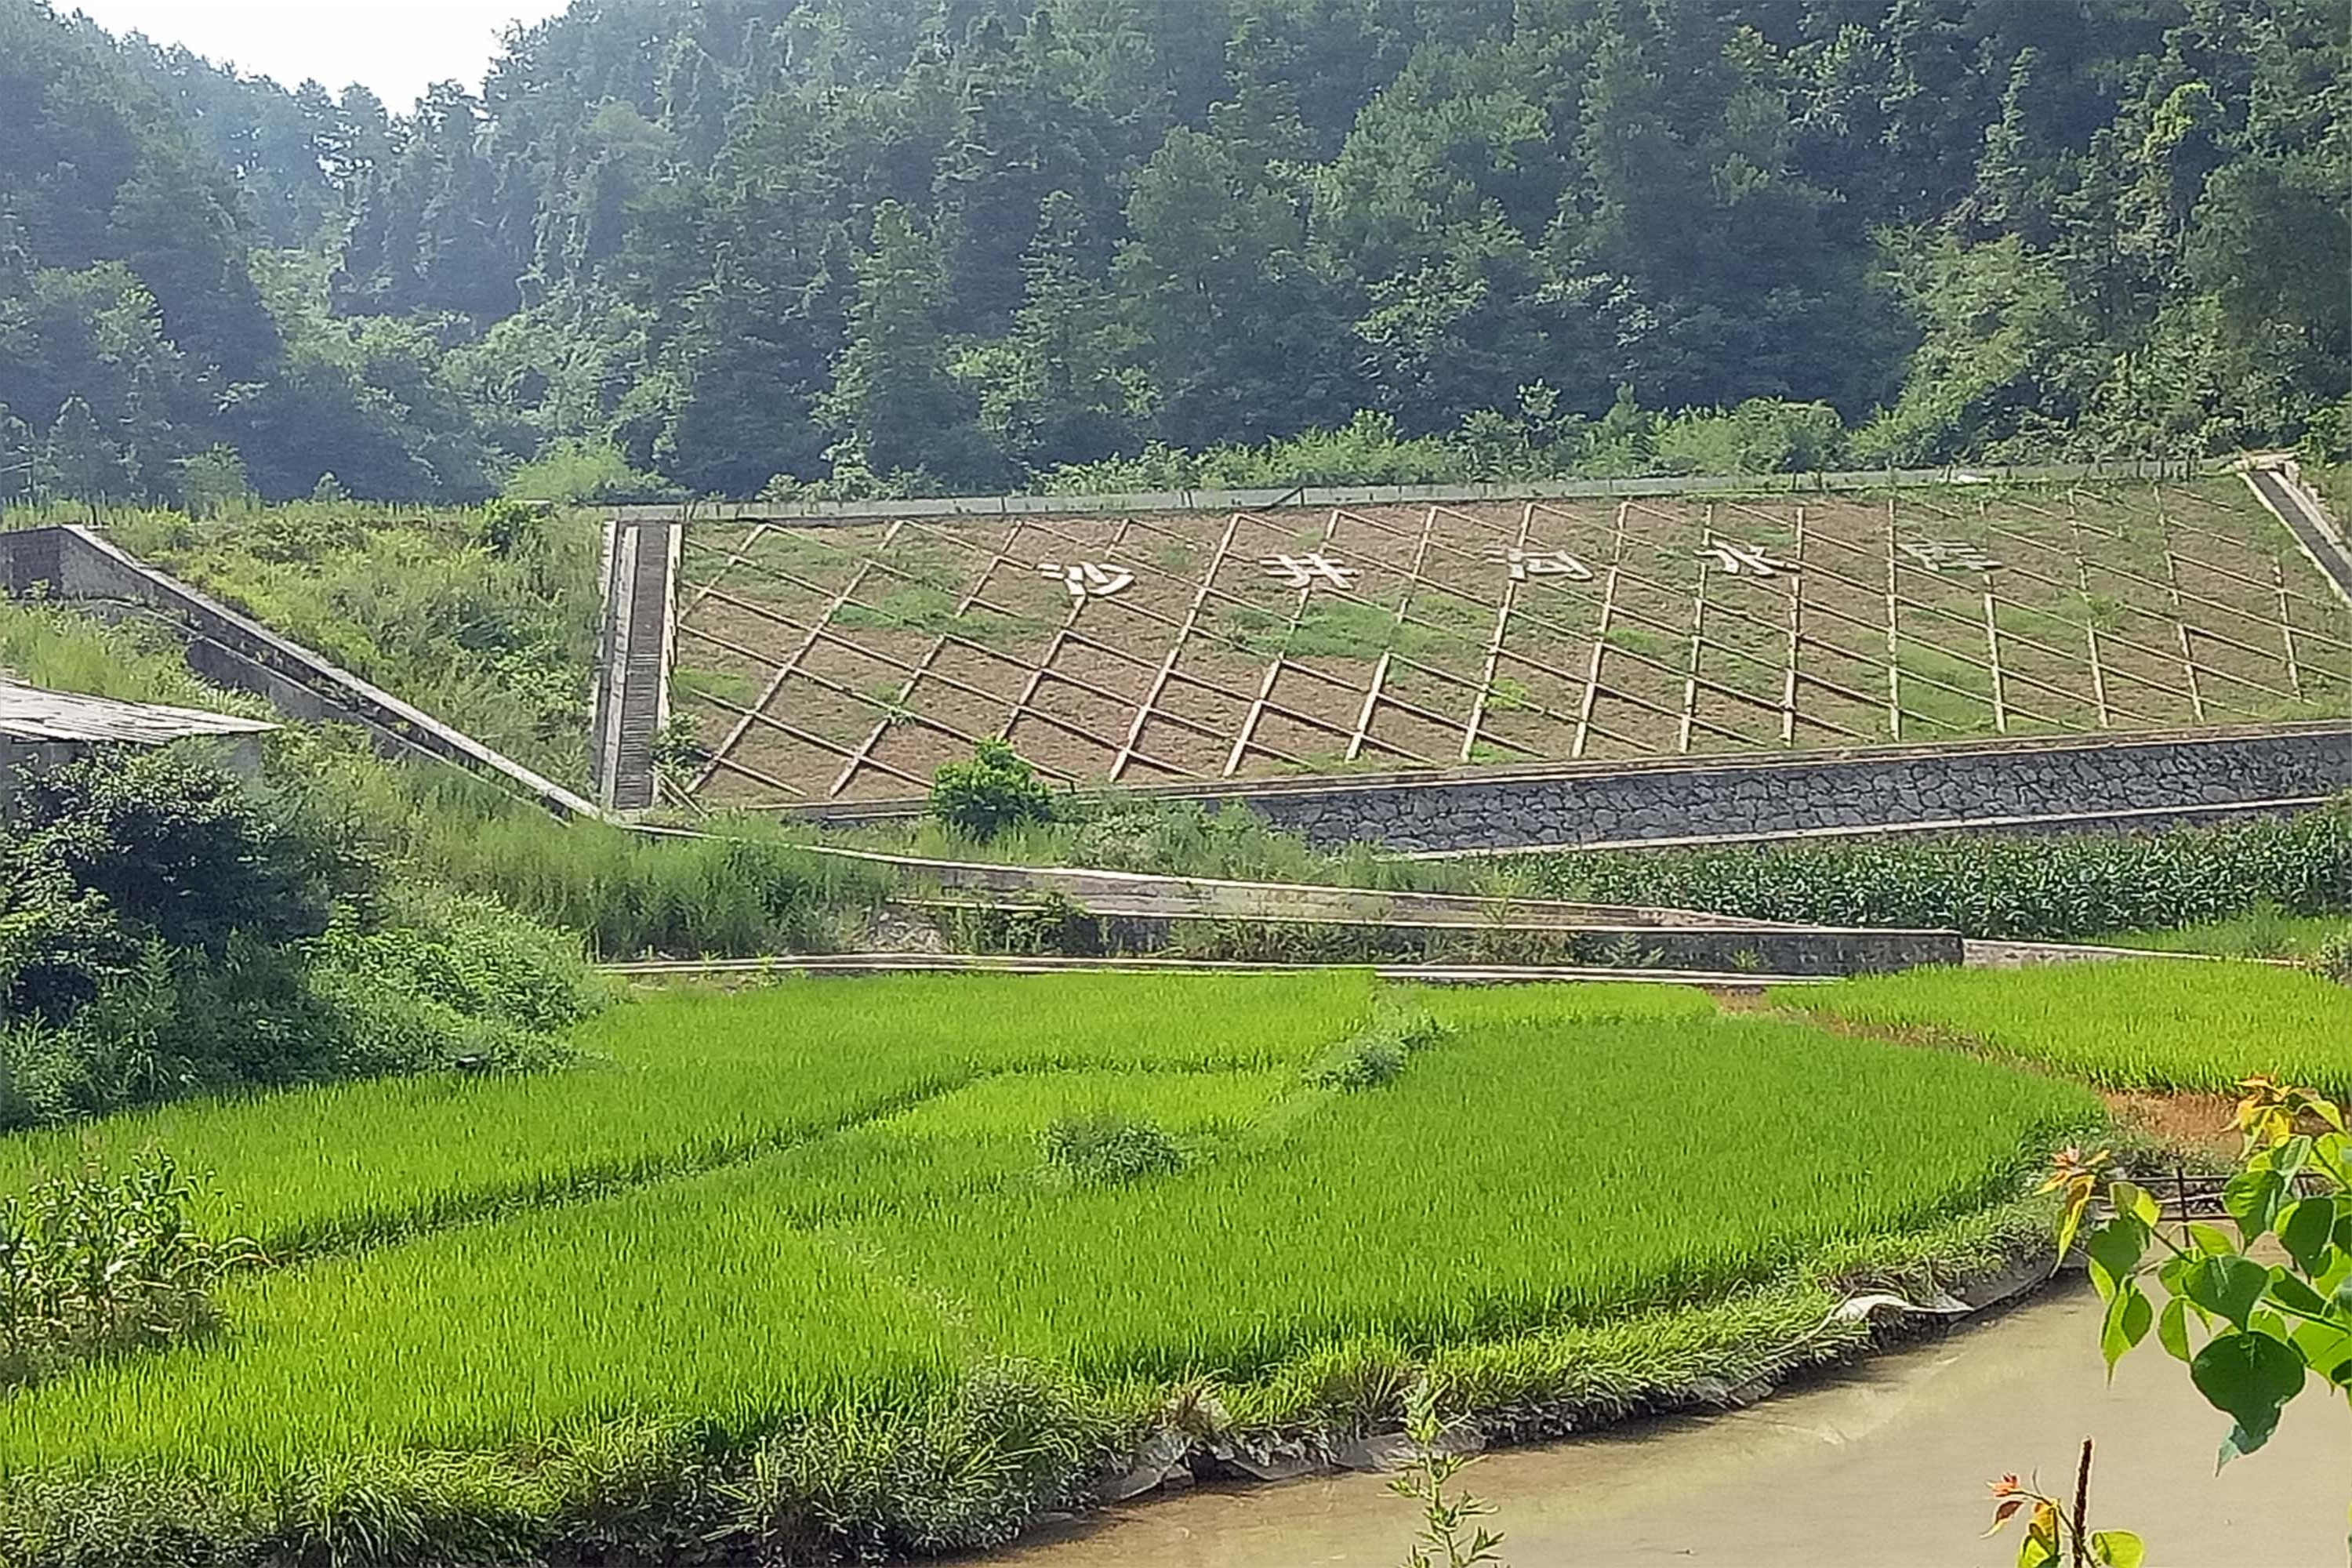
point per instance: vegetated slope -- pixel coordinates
(871, 244)
(1928, 614)
(1562, 1159)
(2157, 1025)
(172, 928)
(485, 618)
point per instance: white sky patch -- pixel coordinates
(397, 49)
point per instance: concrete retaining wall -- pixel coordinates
(1851, 791)
(75, 564)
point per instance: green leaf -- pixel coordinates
(2114, 1252)
(2172, 1329)
(2252, 1197)
(2134, 1201)
(2247, 1377)
(2290, 1291)
(2228, 1287)
(2211, 1241)
(2129, 1317)
(2308, 1230)
(2326, 1348)
(2244, 1440)
(2118, 1549)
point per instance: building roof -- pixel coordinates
(33, 713)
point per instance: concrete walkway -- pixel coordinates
(1884, 1464)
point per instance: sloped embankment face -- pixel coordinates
(905, 1261)
(844, 661)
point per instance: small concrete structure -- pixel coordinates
(40, 729)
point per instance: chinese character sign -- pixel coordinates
(1304, 572)
(1527, 564)
(1950, 555)
(1735, 559)
(1089, 579)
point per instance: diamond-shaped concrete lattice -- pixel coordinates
(846, 662)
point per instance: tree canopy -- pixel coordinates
(737, 245)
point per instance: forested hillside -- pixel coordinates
(730, 246)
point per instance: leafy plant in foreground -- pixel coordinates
(2266, 1328)
(2058, 1538)
(1448, 1538)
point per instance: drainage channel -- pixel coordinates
(1884, 1461)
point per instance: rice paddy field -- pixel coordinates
(2160, 1025)
(811, 1245)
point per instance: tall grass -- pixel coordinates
(2157, 1025)
(492, 629)
(1544, 1167)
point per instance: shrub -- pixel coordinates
(1375, 1055)
(1101, 1150)
(995, 791)
(178, 848)
(93, 1266)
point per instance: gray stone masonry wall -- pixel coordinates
(1851, 790)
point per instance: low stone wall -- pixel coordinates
(1829, 793)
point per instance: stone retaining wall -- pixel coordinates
(1849, 791)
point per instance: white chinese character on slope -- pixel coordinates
(1735, 559)
(1089, 579)
(1303, 572)
(1527, 564)
(1954, 555)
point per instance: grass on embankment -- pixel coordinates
(1593, 1194)
(2171, 1025)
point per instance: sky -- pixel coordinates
(396, 49)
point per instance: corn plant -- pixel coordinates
(91, 1265)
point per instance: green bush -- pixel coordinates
(168, 929)
(995, 791)
(178, 850)
(1376, 1055)
(2333, 958)
(1101, 1150)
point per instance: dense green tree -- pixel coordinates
(78, 460)
(1062, 387)
(894, 402)
(975, 242)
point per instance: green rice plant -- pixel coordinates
(682, 1082)
(2176, 1024)
(889, 1264)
